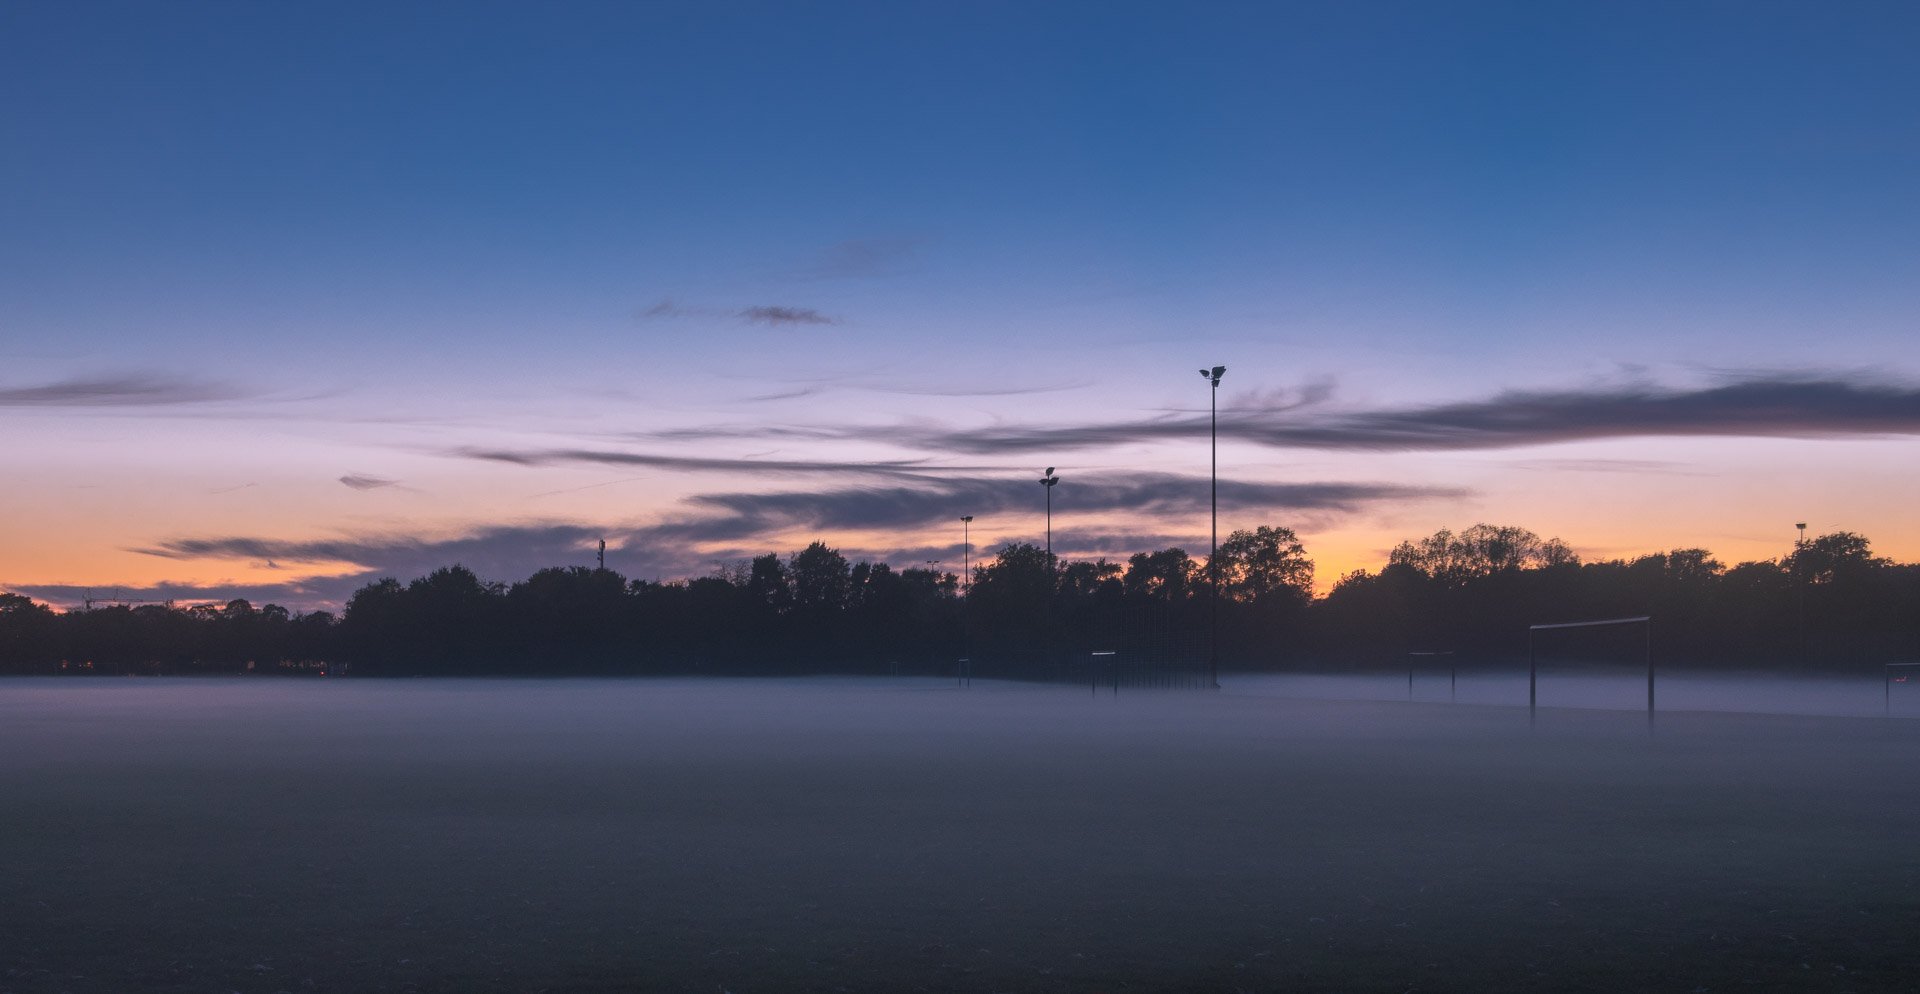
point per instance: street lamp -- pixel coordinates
(966, 540)
(1800, 576)
(1213, 558)
(1049, 481)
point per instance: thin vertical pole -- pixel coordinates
(1532, 678)
(1649, 624)
(1800, 585)
(1453, 681)
(1409, 678)
(966, 594)
(1886, 687)
(1213, 558)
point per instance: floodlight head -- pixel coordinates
(1206, 372)
(1049, 472)
(1801, 525)
(966, 517)
(1218, 370)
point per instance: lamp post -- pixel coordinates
(966, 541)
(1049, 481)
(1213, 558)
(1800, 583)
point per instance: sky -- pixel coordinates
(296, 296)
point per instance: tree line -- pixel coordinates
(1829, 602)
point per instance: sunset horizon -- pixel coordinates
(303, 302)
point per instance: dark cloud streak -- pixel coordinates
(117, 391)
(747, 523)
(776, 315)
(554, 457)
(1754, 408)
(866, 258)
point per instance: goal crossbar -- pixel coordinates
(1533, 665)
(1592, 624)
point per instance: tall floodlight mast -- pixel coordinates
(966, 541)
(1049, 481)
(1800, 583)
(1213, 558)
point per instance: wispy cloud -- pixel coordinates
(778, 315)
(729, 524)
(1775, 408)
(866, 258)
(1760, 407)
(359, 482)
(137, 390)
(509, 547)
(556, 457)
(301, 595)
(670, 308)
(934, 502)
(1600, 466)
(767, 314)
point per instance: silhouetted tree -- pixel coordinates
(1473, 592)
(1264, 562)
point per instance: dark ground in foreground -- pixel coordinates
(261, 836)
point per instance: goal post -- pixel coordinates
(1907, 669)
(1533, 665)
(1453, 673)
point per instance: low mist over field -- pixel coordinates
(896, 834)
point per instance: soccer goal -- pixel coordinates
(1533, 658)
(1901, 673)
(1415, 659)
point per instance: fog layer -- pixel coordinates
(881, 835)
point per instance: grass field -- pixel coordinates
(876, 835)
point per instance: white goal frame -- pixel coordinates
(1533, 665)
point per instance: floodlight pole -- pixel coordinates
(966, 541)
(1049, 480)
(1213, 556)
(966, 599)
(1800, 584)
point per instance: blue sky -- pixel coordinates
(307, 242)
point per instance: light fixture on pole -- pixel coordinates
(966, 541)
(1213, 565)
(1800, 584)
(1049, 481)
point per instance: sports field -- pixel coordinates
(894, 835)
